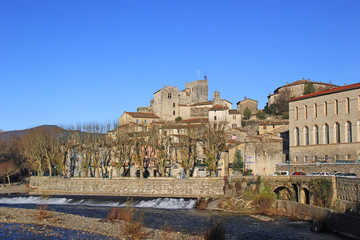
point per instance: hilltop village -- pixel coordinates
(184, 133)
(319, 126)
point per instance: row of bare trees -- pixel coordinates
(93, 150)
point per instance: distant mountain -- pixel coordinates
(19, 133)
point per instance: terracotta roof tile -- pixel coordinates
(196, 120)
(218, 107)
(233, 111)
(142, 115)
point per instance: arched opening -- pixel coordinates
(138, 173)
(296, 189)
(305, 196)
(283, 193)
(146, 174)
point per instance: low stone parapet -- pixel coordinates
(151, 187)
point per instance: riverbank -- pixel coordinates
(16, 188)
(112, 229)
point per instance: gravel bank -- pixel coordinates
(90, 225)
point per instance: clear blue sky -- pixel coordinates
(64, 62)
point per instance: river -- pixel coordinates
(176, 213)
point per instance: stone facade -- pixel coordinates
(296, 89)
(325, 126)
(319, 167)
(247, 103)
(260, 154)
(157, 187)
(142, 118)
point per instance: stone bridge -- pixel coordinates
(296, 188)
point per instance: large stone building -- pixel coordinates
(170, 104)
(167, 101)
(325, 126)
(296, 89)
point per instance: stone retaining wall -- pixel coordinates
(150, 187)
(348, 189)
(320, 167)
(336, 222)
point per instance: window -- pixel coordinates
(315, 110)
(348, 156)
(336, 107)
(169, 95)
(306, 133)
(174, 113)
(305, 158)
(234, 116)
(348, 131)
(173, 104)
(325, 108)
(337, 132)
(326, 133)
(234, 126)
(336, 157)
(315, 158)
(305, 112)
(347, 105)
(214, 117)
(137, 121)
(296, 113)
(316, 134)
(145, 121)
(297, 137)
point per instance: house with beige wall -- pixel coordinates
(141, 118)
(260, 154)
(247, 103)
(325, 125)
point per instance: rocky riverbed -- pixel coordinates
(110, 229)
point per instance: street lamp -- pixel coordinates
(55, 170)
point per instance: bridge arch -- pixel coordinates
(284, 193)
(304, 196)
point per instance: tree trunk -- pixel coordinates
(8, 177)
(188, 173)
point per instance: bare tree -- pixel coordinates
(31, 150)
(163, 150)
(188, 152)
(213, 141)
(8, 169)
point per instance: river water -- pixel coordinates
(176, 213)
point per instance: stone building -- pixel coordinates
(166, 101)
(247, 103)
(296, 89)
(260, 154)
(325, 126)
(141, 118)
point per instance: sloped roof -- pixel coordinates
(142, 115)
(326, 92)
(196, 120)
(234, 111)
(303, 82)
(218, 107)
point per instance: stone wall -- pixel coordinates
(336, 222)
(320, 167)
(348, 189)
(150, 187)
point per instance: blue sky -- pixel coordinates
(66, 62)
